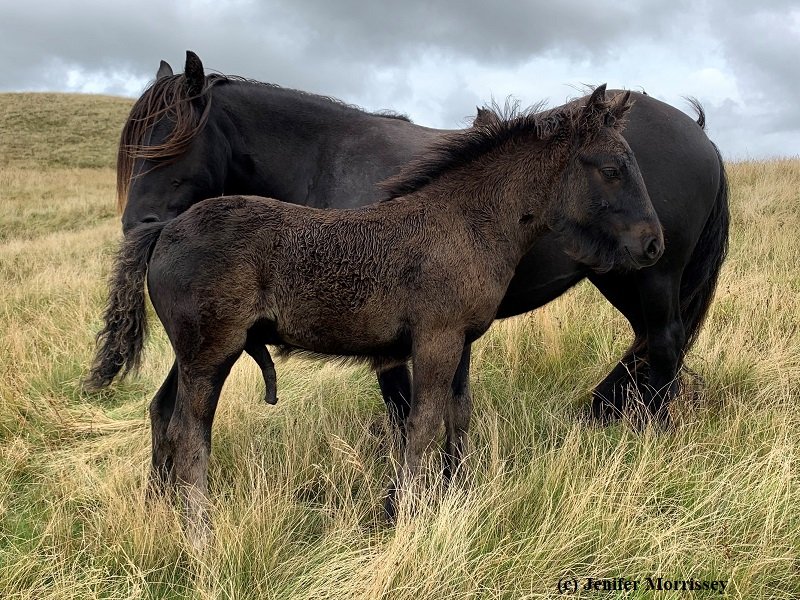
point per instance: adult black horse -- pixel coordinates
(193, 136)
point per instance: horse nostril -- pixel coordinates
(652, 248)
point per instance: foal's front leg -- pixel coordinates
(459, 411)
(435, 358)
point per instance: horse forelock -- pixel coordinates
(165, 97)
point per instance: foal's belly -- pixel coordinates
(338, 332)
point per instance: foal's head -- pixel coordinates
(603, 212)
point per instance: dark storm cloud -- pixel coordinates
(306, 42)
(441, 58)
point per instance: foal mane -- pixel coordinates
(495, 126)
(455, 149)
(168, 97)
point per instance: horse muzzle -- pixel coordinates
(644, 246)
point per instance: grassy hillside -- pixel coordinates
(297, 486)
(60, 130)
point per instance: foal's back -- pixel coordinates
(364, 277)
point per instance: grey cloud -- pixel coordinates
(367, 51)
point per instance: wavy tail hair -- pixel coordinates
(120, 342)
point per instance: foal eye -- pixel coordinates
(176, 183)
(610, 173)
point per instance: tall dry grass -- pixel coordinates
(297, 486)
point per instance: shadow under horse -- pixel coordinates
(418, 276)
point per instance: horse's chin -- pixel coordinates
(598, 253)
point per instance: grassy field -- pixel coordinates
(297, 487)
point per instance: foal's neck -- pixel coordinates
(505, 194)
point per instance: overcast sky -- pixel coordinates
(435, 60)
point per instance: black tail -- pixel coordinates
(119, 343)
(702, 272)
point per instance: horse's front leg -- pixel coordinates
(435, 359)
(161, 409)
(395, 384)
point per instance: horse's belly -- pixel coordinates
(544, 273)
(342, 333)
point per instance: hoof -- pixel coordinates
(390, 506)
(603, 412)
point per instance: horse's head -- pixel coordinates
(604, 214)
(172, 152)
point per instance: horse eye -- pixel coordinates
(176, 183)
(610, 173)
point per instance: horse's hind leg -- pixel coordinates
(650, 301)
(457, 418)
(609, 398)
(666, 342)
(160, 414)
(261, 355)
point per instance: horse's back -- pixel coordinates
(370, 150)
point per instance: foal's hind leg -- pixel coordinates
(160, 414)
(459, 411)
(189, 434)
(261, 355)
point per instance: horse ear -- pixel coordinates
(164, 70)
(620, 105)
(193, 72)
(597, 101)
(484, 118)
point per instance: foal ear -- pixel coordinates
(193, 72)
(597, 101)
(484, 118)
(164, 70)
(620, 105)
(594, 112)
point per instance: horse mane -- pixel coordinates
(459, 148)
(165, 97)
(168, 97)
